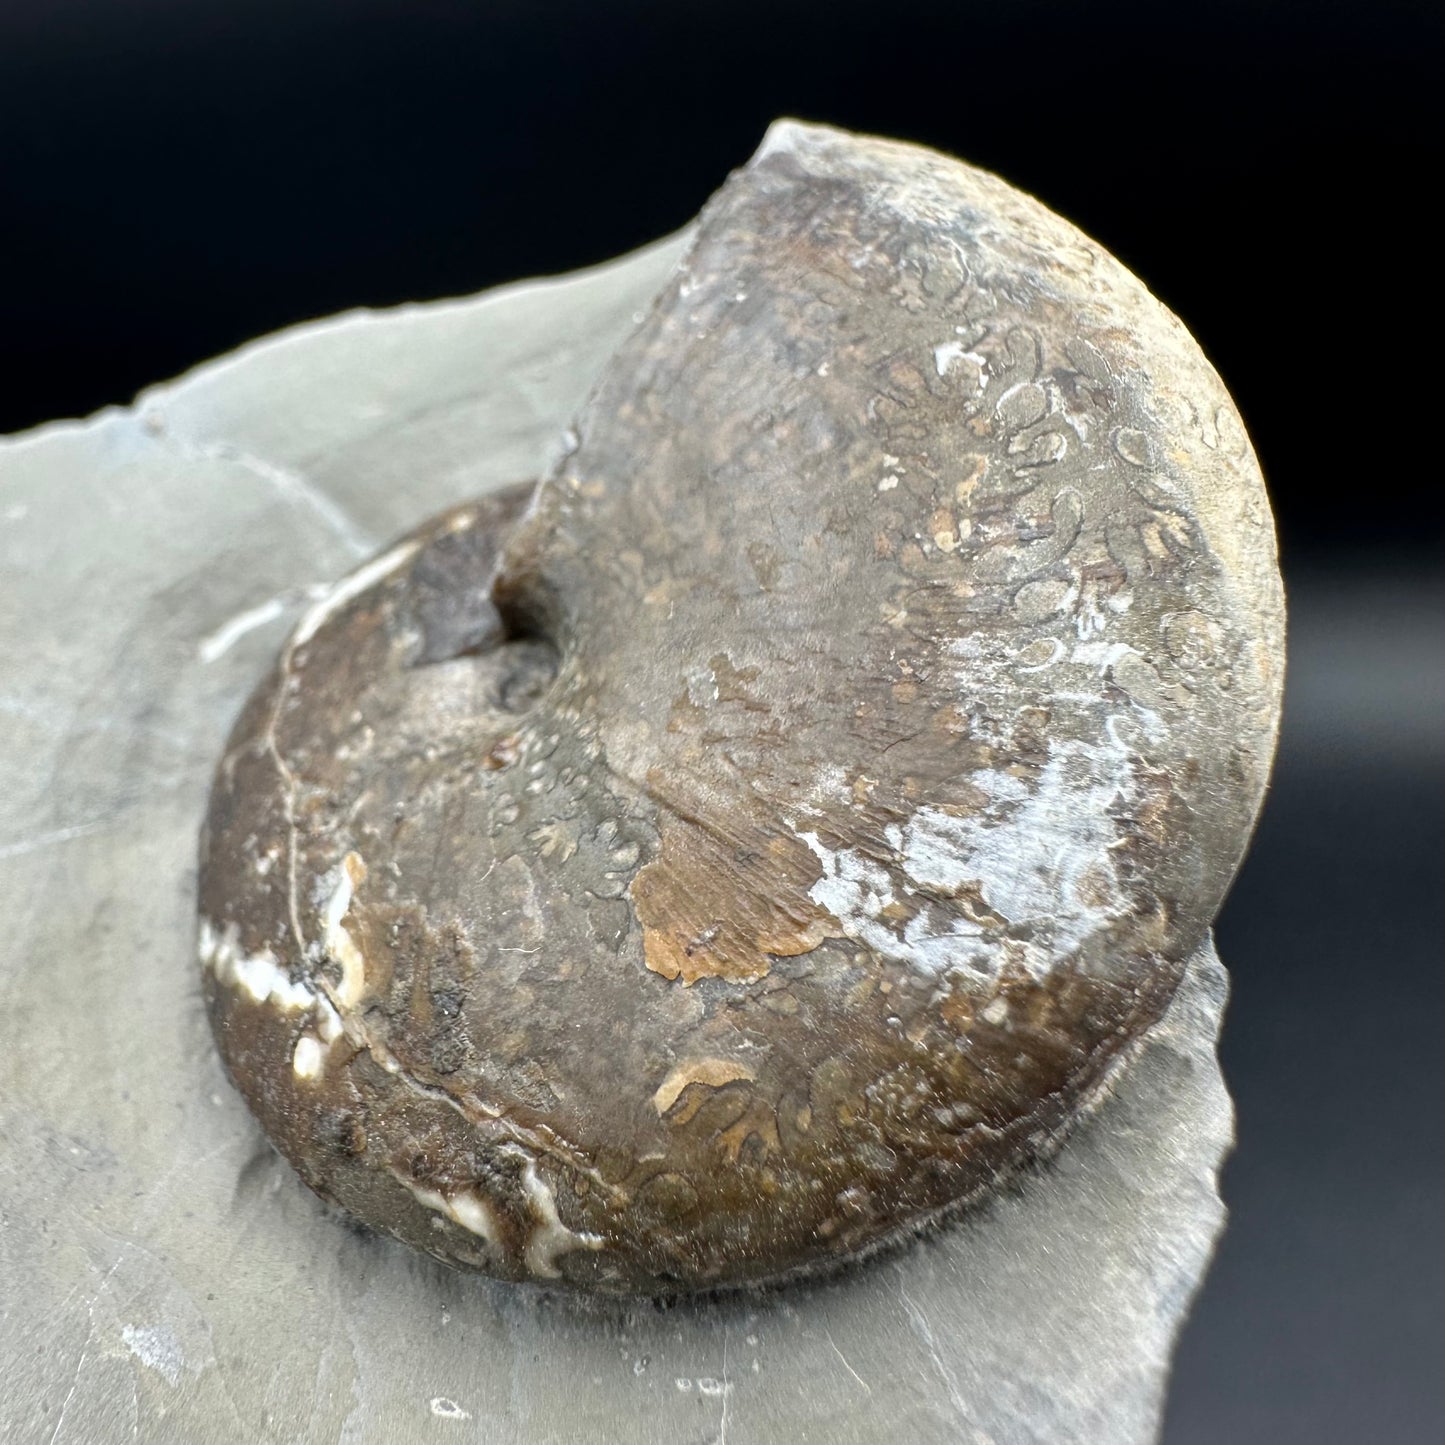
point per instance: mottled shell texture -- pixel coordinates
(776, 827)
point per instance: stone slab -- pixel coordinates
(163, 1276)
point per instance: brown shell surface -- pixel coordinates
(774, 828)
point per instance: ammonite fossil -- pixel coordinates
(775, 827)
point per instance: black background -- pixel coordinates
(178, 177)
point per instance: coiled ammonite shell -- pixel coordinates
(776, 827)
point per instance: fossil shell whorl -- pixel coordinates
(775, 829)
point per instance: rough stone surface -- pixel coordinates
(778, 829)
(163, 1275)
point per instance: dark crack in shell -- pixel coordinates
(774, 830)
